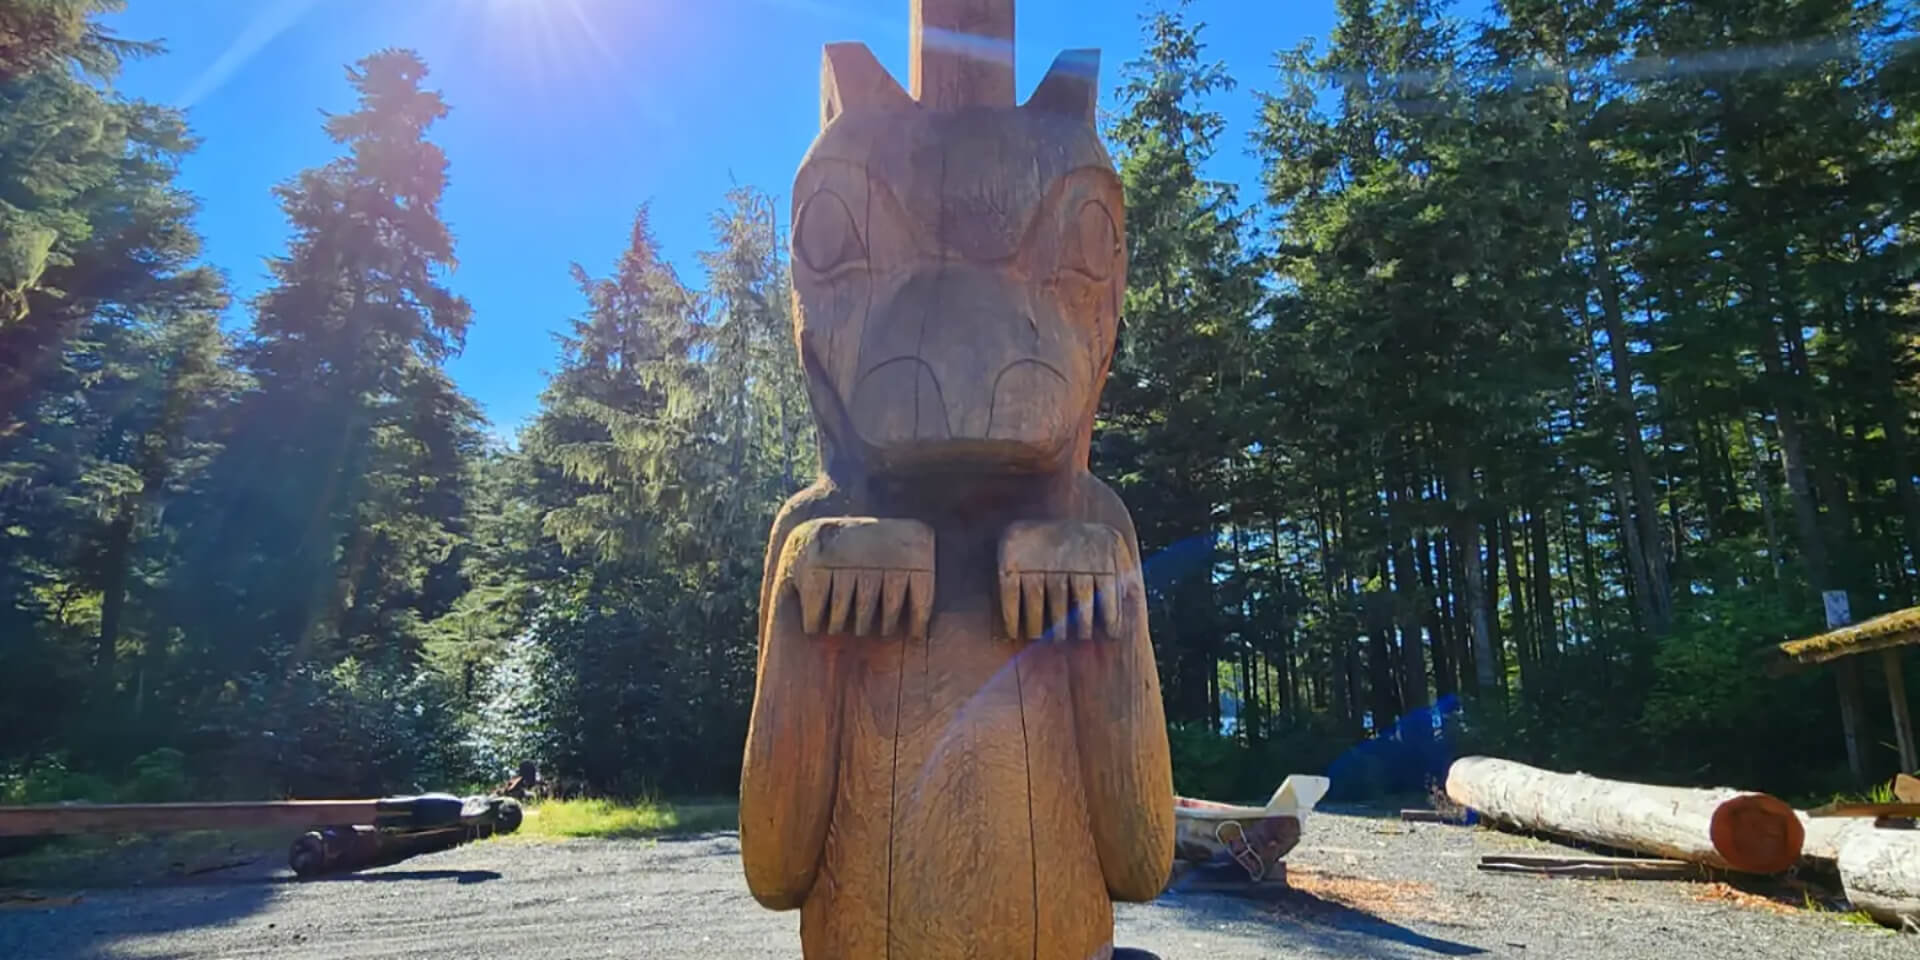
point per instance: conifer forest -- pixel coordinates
(1561, 356)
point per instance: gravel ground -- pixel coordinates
(1362, 887)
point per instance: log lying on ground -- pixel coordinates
(1880, 871)
(1824, 838)
(1723, 828)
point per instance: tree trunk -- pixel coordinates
(1728, 829)
(1540, 564)
(115, 556)
(1893, 420)
(1644, 512)
(1434, 611)
(1406, 588)
(1466, 535)
(1490, 584)
(1880, 871)
(1793, 457)
(1517, 596)
(1763, 483)
(1385, 694)
(1634, 554)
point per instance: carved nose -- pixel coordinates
(950, 355)
(900, 400)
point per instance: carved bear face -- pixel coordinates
(957, 273)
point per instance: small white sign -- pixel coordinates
(1838, 614)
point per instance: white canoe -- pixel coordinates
(1257, 838)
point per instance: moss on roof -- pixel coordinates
(1894, 629)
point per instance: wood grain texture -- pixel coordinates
(957, 746)
(962, 53)
(1880, 871)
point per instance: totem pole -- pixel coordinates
(957, 746)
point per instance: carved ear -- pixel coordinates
(851, 79)
(1072, 86)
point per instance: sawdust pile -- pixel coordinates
(1727, 893)
(1316, 892)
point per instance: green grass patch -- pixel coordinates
(616, 820)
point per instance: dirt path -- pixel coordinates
(1363, 888)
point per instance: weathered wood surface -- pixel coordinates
(957, 746)
(1824, 838)
(1729, 829)
(159, 817)
(1880, 871)
(1601, 868)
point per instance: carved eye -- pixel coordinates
(826, 237)
(1092, 242)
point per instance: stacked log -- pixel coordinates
(1878, 866)
(1722, 828)
(1880, 871)
(1825, 837)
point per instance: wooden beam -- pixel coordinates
(1902, 720)
(41, 821)
(1866, 810)
(1847, 674)
(962, 53)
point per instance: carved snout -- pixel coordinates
(964, 355)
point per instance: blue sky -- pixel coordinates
(568, 114)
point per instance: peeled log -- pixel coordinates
(1825, 837)
(1724, 828)
(1880, 870)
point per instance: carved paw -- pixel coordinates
(862, 575)
(1057, 577)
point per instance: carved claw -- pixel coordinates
(858, 575)
(1056, 577)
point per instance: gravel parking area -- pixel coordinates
(1362, 887)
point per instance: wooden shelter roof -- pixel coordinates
(1899, 628)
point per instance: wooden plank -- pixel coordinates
(1866, 810)
(1906, 789)
(1432, 816)
(1553, 859)
(42, 821)
(1902, 720)
(1584, 867)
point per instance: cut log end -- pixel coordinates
(1757, 833)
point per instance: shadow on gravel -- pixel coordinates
(108, 921)
(387, 876)
(1293, 919)
(106, 924)
(1312, 910)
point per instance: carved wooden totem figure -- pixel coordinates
(957, 746)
